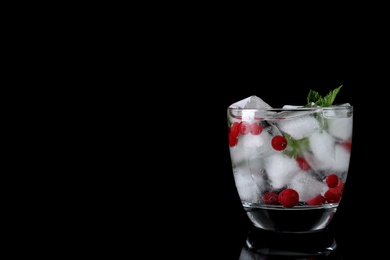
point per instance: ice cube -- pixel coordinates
(251, 142)
(250, 102)
(280, 168)
(341, 128)
(307, 185)
(249, 109)
(341, 162)
(250, 146)
(328, 155)
(250, 183)
(300, 127)
(322, 146)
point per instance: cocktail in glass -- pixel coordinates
(290, 164)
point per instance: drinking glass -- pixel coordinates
(290, 164)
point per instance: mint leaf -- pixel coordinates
(296, 147)
(315, 97)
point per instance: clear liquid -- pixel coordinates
(297, 219)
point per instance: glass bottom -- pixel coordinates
(270, 243)
(298, 219)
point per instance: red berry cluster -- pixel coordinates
(242, 128)
(332, 195)
(278, 142)
(290, 197)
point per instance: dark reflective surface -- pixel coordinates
(249, 254)
(274, 245)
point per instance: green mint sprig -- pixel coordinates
(327, 101)
(295, 147)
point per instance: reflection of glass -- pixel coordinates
(272, 245)
(290, 165)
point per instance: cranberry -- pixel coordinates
(317, 200)
(332, 180)
(270, 198)
(256, 129)
(302, 163)
(288, 198)
(279, 142)
(233, 134)
(244, 128)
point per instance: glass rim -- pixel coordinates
(336, 107)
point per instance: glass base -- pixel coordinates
(270, 243)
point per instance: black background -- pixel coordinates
(214, 219)
(197, 206)
(146, 166)
(159, 181)
(208, 216)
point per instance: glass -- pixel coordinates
(290, 165)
